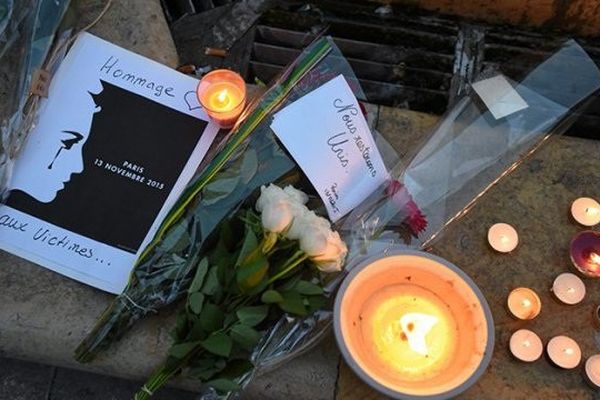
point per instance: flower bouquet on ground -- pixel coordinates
(241, 287)
(248, 244)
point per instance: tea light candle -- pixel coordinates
(586, 211)
(592, 371)
(568, 288)
(222, 93)
(503, 237)
(413, 325)
(564, 352)
(526, 345)
(585, 253)
(524, 303)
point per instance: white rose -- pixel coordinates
(333, 257)
(313, 240)
(270, 194)
(276, 217)
(305, 221)
(295, 194)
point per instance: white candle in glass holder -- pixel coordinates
(503, 237)
(568, 288)
(564, 352)
(586, 211)
(592, 371)
(526, 345)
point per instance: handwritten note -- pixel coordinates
(328, 136)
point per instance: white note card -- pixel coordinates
(499, 96)
(328, 136)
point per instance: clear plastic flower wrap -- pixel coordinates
(470, 150)
(247, 158)
(27, 35)
(466, 154)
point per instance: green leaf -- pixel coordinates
(245, 336)
(230, 318)
(181, 327)
(219, 344)
(181, 350)
(308, 288)
(271, 296)
(197, 332)
(211, 284)
(293, 303)
(252, 316)
(224, 385)
(236, 369)
(291, 283)
(253, 270)
(249, 166)
(211, 318)
(206, 367)
(316, 303)
(199, 276)
(195, 302)
(248, 246)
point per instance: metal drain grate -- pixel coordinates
(403, 57)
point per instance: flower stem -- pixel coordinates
(292, 263)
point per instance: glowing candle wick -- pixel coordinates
(526, 303)
(569, 351)
(503, 239)
(571, 290)
(591, 211)
(222, 98)
(526, 343)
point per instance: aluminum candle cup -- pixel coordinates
(568, 288)
(524, 303)
(585, 253)
(222, 93)
(592, 371)
(503, 237)
(526, 345)
(586, 211)
(413, 326)
(564, 352)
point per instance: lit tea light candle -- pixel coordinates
(564, 352)
(503, 237)
(524, 303)
(526, 345)
(586, 211)
(411, 324)
(222, 94)
(592, 371)
(568, 288)
(585, 253)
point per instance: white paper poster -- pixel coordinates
(116, 142)
(328, 136)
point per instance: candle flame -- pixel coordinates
(222, 96)
(416, 326)
(595, 257)
(571, 290)
(503, 239)
(526, 343)
(526, 303)
(569, 351)
(593, 211)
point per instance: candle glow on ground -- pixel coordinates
(423, 345)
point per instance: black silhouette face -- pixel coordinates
(67, 144)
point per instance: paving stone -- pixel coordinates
(20, 380)
(76, 385)
(536, 199)
(311, 376)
